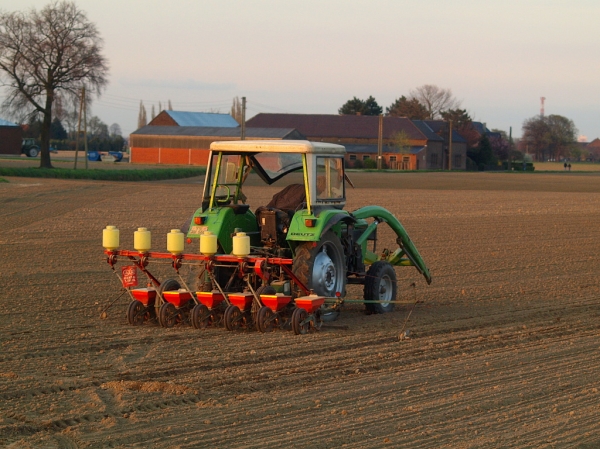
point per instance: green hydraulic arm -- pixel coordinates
(407, 248)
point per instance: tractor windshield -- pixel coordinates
(272, 166)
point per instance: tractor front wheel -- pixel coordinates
(381, 286)
(321, 267)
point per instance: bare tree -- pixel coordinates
(236, 110)
(115, 130)
(142, 117)
(401, 141)
(56, 49)
(435, 99)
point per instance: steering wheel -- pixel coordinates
(222, 194)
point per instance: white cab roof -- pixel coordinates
(277, 146)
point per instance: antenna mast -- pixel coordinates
(542, 107)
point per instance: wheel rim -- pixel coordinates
(325, 275)
(265, 320)
(136, 313)
(169, 314)
(385, 291)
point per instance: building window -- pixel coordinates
(365, 157)
(457, 161)
(352, 157)
(433, 159)
(392, 158)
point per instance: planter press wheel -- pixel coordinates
(167, 285)
(200, 316)
(322, 268)
(136, 313)
(380, 285)
(168, 315)
(233, 318)
(262, 290)
(298, 317)
(265, 321)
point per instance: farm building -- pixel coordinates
(184, 118)
(360, 135)
(440, 149)
(189, 145)
(10, 138)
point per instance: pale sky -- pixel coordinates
(497, 56)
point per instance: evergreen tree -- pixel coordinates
(356, 106)
(411, 109)
(57, 131)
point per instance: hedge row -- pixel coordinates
(104, 175)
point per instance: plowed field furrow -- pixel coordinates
(503, 349)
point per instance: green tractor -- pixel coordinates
(30, 148)
(306, 222)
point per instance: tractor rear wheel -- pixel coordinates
(380, 285)
(321, 267)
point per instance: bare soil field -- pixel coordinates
(503, 348)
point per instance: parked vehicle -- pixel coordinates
(30, 148)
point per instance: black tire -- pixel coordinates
(169, 285)
(233, 318)
(33, 152)
(322, 268)
(200, 316)
(265, 321)
(380, 285)
(262, 290)
(136, 313)
(298, 317)
(168, 315)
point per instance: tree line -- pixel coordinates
(544, 137)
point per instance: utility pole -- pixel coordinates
(380, 142)
(508, 167)
(450, 145)
(85, 141)
(79, 127)
(243, 136)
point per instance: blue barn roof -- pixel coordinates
(183, 118)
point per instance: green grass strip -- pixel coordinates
(104, 175)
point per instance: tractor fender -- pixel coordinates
(323, 222)
(335, 219)
(222, 221)
(403, 240)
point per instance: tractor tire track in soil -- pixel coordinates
(503, 349)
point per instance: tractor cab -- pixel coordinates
(230, 163)
(317, 186)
